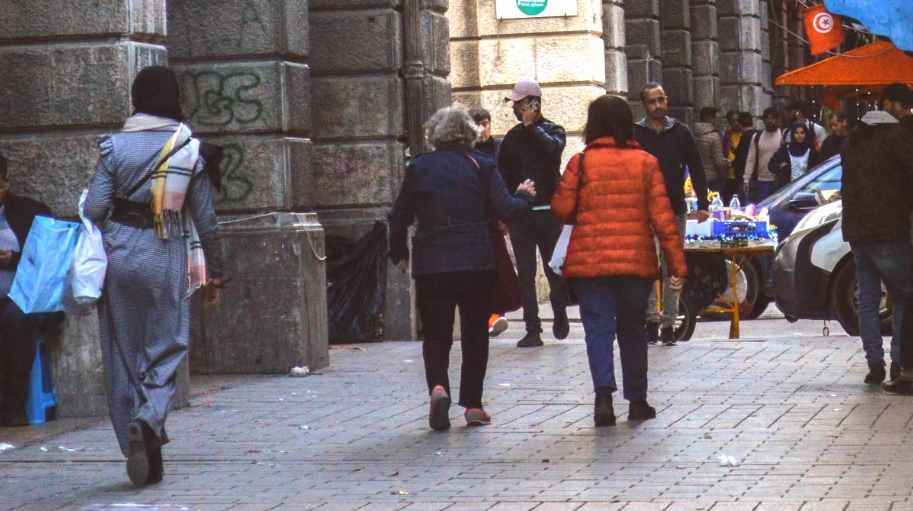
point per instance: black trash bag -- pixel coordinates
(357, 286)
(707, 278)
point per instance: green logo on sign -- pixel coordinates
(531, 7)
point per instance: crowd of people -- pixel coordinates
(624, 195)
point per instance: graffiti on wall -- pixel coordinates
(221, 99)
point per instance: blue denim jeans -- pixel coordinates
(610, 306)
(891, 263)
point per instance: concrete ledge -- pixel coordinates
(48, 19)
(71, 85)
(273, 314)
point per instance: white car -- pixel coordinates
(815, 274)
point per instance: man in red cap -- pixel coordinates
(532, 150)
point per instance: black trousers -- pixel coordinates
(17, 352)
(437, 297)
(536, 229)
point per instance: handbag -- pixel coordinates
(506, 291)
(90, 262)
(559, 254)
(41, 277)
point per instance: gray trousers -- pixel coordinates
(668, 315)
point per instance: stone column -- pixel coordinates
(767, 62)
(380, 69)
(70, 66)
(677, 59)
(246, 86)
(706, 49)
(741, 60)
(613, 33)
(644, 48)
(779, 44)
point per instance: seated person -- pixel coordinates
(17, 331)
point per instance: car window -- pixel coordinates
(829, 180)
(825, 176)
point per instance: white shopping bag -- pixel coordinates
(560, 252)
(90, 263)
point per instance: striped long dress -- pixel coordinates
(144, 314)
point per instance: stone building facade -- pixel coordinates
(318, 103)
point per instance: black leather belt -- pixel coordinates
(134, 214)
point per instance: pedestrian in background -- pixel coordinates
(800, 112)
(732, 135)
(615, 196)
(17, 330)
(760, 182)
(489, 146)
(710, 146)
(531, 150)
(877, 205)
(794, 159)
(150, 180)
(734, 185)
(673, 145)
(833, 144)
(453, 197)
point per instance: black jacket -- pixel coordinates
(832, 146)
(489, 148)
(675, 149)
(780, 165)
(454, 203)
(877, 183)
(20, 212)
(533, 152)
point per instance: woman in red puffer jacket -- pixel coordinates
(611, 263)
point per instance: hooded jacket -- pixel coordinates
(710, 145)
(877, 180)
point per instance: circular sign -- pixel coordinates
(532, 7)
(823, 23)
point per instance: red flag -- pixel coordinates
(824, 30)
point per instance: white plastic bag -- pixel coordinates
(560, 252)
(90, 263)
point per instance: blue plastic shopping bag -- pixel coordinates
(47, 256)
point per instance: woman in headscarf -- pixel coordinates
(795, 158)
(154, 205)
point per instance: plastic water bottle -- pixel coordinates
(735, 205)
(716, 207)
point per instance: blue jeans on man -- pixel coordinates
(890, 262)
(610, 306)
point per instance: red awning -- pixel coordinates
(876, 64)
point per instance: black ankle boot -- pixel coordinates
(156, 467)
(138, 457)
(641, 411)
(652, 333)
(876, 373)
(603, 412)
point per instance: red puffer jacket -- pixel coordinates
(622, 203)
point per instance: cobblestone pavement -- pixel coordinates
(792, 412)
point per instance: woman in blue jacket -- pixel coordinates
(453, 195)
